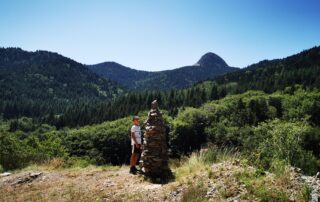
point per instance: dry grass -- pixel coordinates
(199, 162)
(220, 171)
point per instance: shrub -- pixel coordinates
(188, 131)
(13, 153)
(18, 151)
(284, 141)
(108, 142)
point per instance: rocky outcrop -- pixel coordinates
(155, 154)
(211, 60)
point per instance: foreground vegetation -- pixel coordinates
(269, 129)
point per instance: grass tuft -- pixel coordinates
(194, 193)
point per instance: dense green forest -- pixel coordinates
(268, 76)
(268, 129)
(268, 111)
(35, 84)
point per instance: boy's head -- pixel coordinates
(136, 120)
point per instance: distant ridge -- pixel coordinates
(210, 64)
(44, 75)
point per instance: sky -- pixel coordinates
(161, 34)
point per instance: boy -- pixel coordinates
(135, 143)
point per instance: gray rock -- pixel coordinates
(26, 178)
(35, 175)
(5, 174)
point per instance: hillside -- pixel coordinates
(271, 75)
(279, 74)
(41, 79)
(209, 66)
(123, 75)
(301, 69)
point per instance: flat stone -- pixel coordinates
(5, 174)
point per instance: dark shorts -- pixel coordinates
(135, 149)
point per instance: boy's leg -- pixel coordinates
(133, 160)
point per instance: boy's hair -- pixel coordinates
(135, 118)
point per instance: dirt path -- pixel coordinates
(81, 185)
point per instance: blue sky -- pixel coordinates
(164, 34)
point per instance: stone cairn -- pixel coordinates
(155, 155)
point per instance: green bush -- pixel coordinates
(18, 150)
(13, 152)
(108, 142)
(188, 131)
(24, 124)
(284, 141)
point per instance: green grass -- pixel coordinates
(201, 161)
(305, 193)
(69, 164)
(258, 185)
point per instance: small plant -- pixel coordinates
(209, 155)
(305, 193)
(259, 172)
(74, 162)
(278, 167)
(194, 193)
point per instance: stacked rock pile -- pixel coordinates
(155, 155)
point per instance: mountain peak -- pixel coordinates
(211, 60)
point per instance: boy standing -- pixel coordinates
(135, 143)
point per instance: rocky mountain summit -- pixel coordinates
(211, 60)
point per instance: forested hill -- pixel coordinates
(125, 76)
(209, 66)
(281, 74)
(42, 79)
(271, 75)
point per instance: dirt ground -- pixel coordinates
(88, 184)
(219, 182)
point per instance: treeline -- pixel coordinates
(96, 112)
(268, 76)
